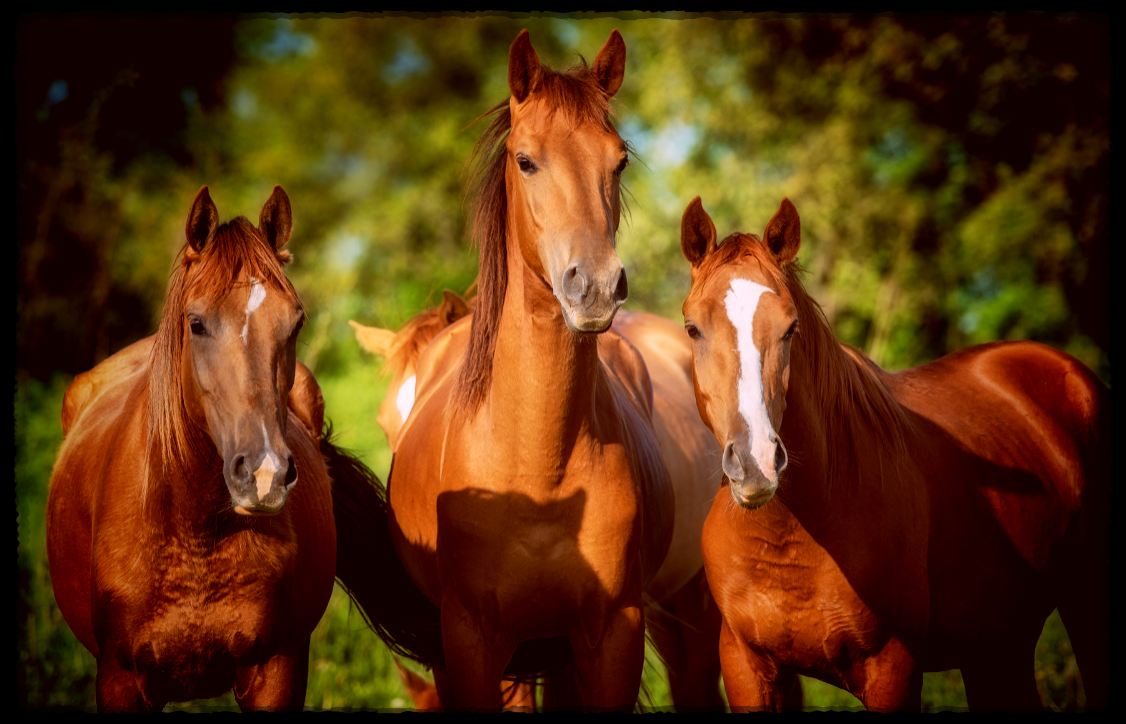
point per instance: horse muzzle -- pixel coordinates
(590, 301)
(263, 489)
(750, 486)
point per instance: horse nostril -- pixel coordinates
(239, 470)
(732, 466)
(621, 292)
(574, 284)
(291, 473)
(780, 458)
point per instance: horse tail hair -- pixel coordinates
(367, 566)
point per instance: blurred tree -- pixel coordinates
(102, 105)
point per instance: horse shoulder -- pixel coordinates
(113, 370)
(690, 450)
(629, 379)
(306, 402)
(627, 370)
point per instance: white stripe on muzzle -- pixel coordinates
(741, 303)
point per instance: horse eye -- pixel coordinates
(692, 331)
(622, 166)
(197, 326)
(525, 163)
(791, 331)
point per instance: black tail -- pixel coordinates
(368, 568)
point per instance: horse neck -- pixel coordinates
(544, 376)
(183, 499)
(834, 443)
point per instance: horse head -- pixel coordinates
(240, 320)
(563, 171)
(741, 319)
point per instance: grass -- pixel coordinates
(350, 668)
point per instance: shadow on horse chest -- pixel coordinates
(539, 567)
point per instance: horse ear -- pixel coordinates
(373, 339)
(453, 307)
(203, 219)
(610, 65)
(523, 67)
(697, 232)
(783, 233)
(276, 219)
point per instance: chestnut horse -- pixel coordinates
(189, 522)
(684, 623)
(529, 499)
(401, 350)
(889, 524)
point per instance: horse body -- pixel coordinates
(930, 519)
(685, 621)
(176, 594)
(529, 496)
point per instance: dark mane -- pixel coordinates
(848, 386)
(575, 93)
(232, 254)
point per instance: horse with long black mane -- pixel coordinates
(889, 524)
(190, 532)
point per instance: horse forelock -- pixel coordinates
(572, 92)
(232, 255)
(848, 386)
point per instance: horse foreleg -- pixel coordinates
(752, 682)
(120, 690)
(474, 663)
(889, 680)
(611, 669)
(687, 637)
(276, 684)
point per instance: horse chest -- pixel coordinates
(537, 563)
(201, 611)
(784, 595)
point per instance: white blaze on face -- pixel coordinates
(741, 302)
(405, 399)
(257, 296)
(264, 475)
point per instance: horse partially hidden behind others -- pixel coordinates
(190, 527)
(889, 524)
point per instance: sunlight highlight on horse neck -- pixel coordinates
(257, 296)
(741, 303)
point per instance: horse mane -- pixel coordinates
(574, 92)
(413, 337)
(849, 388)
(235, 250)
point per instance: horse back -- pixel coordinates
(111, 372)
(103, 414)
(1020, 405)
(1008, 439)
